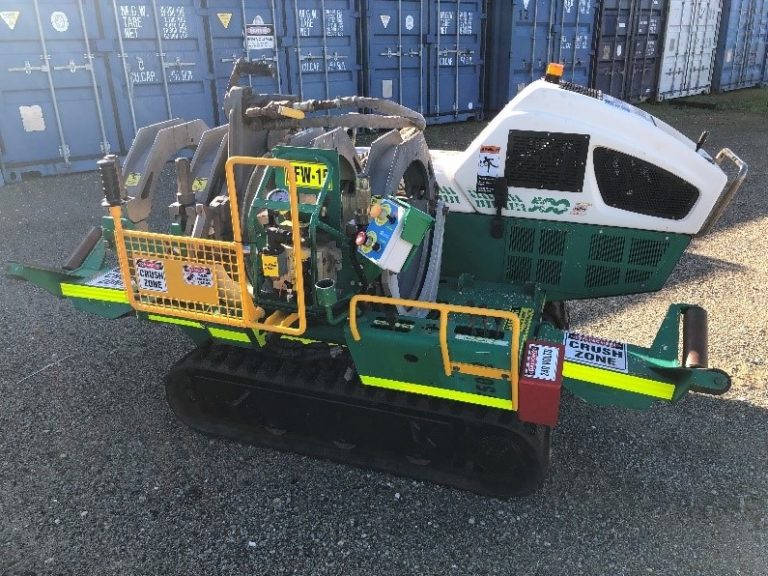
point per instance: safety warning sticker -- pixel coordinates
(225, 18)
(196, 275)
(199, 184)
(110, 279)
(595, 352)
(260, 37)
(151, 275)
(10, 17)
(132, 179)
(541, 362)
(488, 168)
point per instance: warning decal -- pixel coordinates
(10, 17)
(199, 184)
(151, 275)
(384, 19)
(541, 362)
(133, 179)
(595, 352)
(225, 18)
(110, 279)
(196, 275)
(260, 37)
(488, 168)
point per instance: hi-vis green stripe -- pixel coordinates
(176, 321)
(466, 397)
(233, 335)
(93, 293)
(618, 380)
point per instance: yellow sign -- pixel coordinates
(133, 179)
(225, 18)
(199, 184)
(269, 266)
(310, 175)
(10, 17)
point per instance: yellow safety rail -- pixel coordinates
(202, 279)
(445, 310)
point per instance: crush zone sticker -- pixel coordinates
(596, 352)
(151, 275)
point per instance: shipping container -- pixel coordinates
(321, 48)
(628, 45)
(690, 40)
(245, 29)
(56, 112)
(524, 36)
(159, 61)
(740, 59)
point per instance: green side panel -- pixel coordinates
(569, 261)
(415, 224)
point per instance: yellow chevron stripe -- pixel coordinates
(465, 397)
(93, 293)
(618, 380)
(176, 321)
(233, 335)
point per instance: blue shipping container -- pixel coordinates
(57, 113)
(159, 60)
(524, 37)
(251, 30)
(321, 48)
(740, 60)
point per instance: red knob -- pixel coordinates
(361, 238)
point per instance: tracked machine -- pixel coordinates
(399, 308)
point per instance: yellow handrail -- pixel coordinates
(446, 309)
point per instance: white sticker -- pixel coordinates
(151, 275)
(580, 208)
(596, 352)
(541, 362)
(481, 340)
(10, 17)
(409, 23)
(110, 279)
(59, 21)
(525, 4)
(618, 50)
(385, 18)
(196, 275)
(32, 118)
(260, 37)
(489, 161)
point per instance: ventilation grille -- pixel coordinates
(536, 255)
(579, 89)
(546, 160)
(632, 184)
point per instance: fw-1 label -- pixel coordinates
(310, 175)
(196, 275)
(596, 352)
(541, 362)
(150, 275)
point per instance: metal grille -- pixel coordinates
(549, 271)
(552, 242)
(632, 184)
(546, 160)
(601, 276)
(604, 248)
(579, 89)
(646, 252)
(221, 300)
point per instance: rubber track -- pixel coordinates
(321, 409)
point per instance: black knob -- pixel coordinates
(110, 181)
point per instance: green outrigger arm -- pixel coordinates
(84, 279)
(609, 373)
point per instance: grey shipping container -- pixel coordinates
(627, 45)
(525, 35)
(740, 60)
(56, 112)
(690, 39)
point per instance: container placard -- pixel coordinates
(260, 37)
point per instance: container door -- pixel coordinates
(394, 32)
(321, 48)
(456, 60)
(612, 57)
(160, 61)
(741, 51)
(573, 39)
(644, 50)
(240, 29)
(54, 97)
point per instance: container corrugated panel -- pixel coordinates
(740, 60)
(395, 33)
(250, 30)
(321, 48)
(690, 39)
(627, 46)
(56, 113)
(523, 38)
(159, 59)
(455, 60)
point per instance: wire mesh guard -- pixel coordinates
(186, 277)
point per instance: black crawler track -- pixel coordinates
(321, 409)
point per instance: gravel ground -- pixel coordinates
(97, 477)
